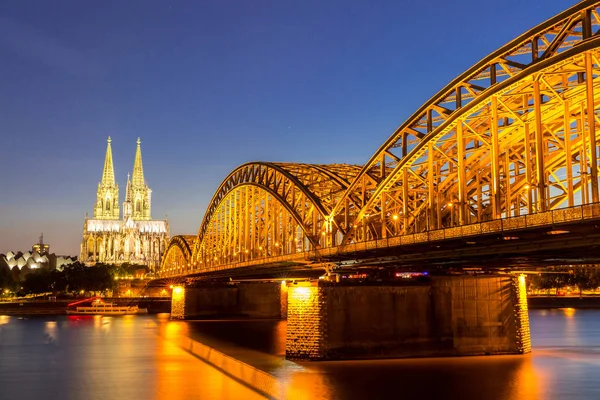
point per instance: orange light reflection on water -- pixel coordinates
(306, 385)
(528, 380)
(569, 312)
(180, 375)
(506, 377)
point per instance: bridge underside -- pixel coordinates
(271, 271)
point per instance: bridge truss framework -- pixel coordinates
(514, 138)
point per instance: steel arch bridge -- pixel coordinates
(179, 252)
(509, 144)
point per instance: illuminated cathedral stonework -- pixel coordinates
(136, 238)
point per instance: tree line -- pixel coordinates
(72, 279)
(580, 278)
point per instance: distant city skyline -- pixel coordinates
(209, 86)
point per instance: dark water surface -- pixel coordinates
(127, 358)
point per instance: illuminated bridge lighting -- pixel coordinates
(510, 143)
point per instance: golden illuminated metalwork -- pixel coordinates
(508, 137)
(270, 209)
(179, 253)
(513, 136)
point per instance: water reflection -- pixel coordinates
(566, 347)
(103, 358)
(51, 330)
(181, 376)
(529, 381)
(138, 357)
(569, 312)
(306, 384)
(496, 377)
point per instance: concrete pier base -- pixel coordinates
(243, 299)
(450, 316)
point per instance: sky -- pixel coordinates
(209, 85)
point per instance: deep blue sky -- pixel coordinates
(209, 85)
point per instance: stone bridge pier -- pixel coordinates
(239, 299)
(447, 316)
(450, 316)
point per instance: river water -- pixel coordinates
(134, 357)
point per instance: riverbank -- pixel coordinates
(544, 302)
(59, 307)
(163, 305)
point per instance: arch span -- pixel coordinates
(178, 254)
(514, 134)
(270, 209)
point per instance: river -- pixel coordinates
(134, 357)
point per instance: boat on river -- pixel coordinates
(99, 307)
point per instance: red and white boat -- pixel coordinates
(99, 307)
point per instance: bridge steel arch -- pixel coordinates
(178, 255)
(513, 135)
(265, 209)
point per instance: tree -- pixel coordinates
(7, 281)
(554, 280)
(78, 277)
(584, 278)
(38, 281)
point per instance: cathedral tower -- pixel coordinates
(127, 204)
(134, 239)
(107, 198)
(138, 192)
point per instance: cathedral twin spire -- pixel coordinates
(132, 237)
(107, 201)
(137, 196)
(138, 169)
(108, 174)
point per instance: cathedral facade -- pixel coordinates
(135, 238)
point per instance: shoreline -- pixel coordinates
(550, 302)
(59, 307)
(41, 308)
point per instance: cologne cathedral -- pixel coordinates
(135, 238)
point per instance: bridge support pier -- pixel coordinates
(449, 316)
(241, 299)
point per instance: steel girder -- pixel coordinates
(514, 135)
(270, 209)
(492, 143)
(178, 254)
